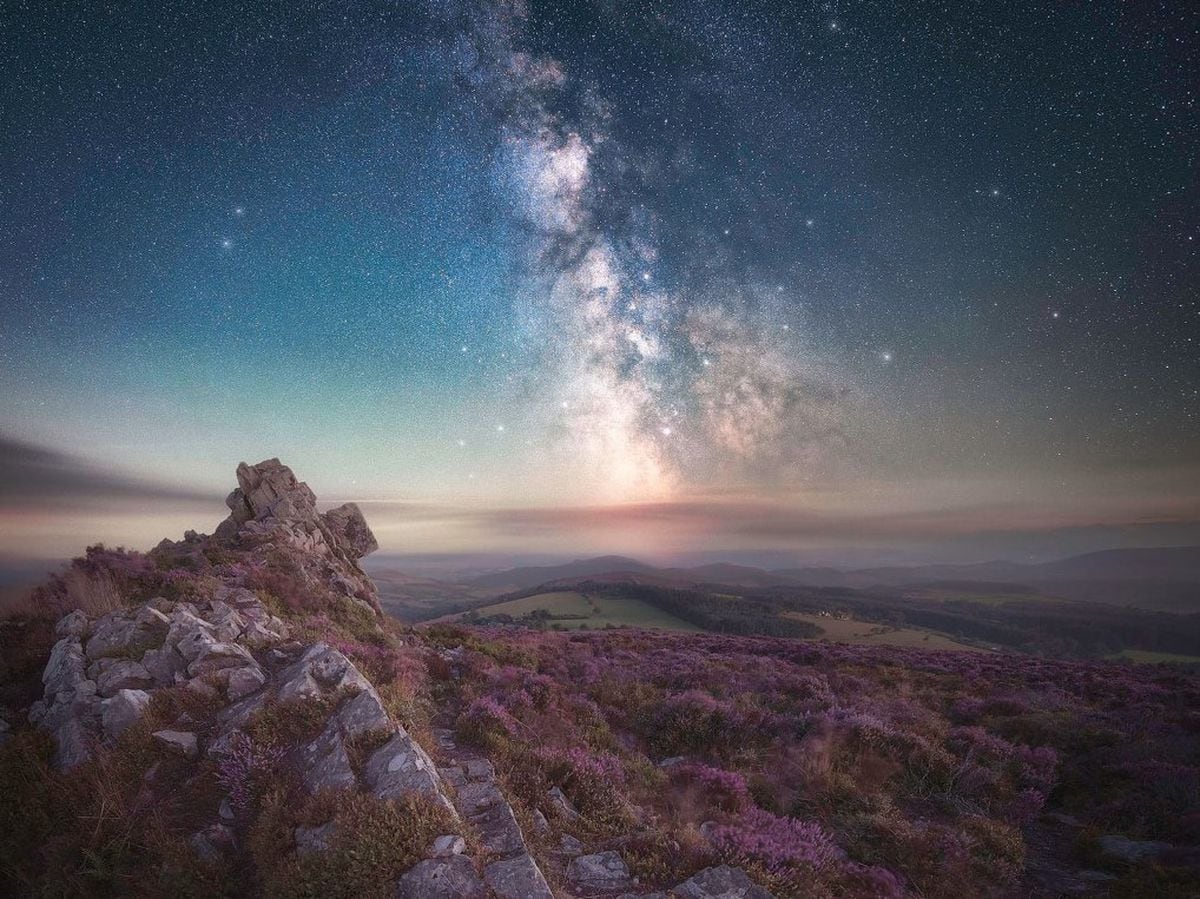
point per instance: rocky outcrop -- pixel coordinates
(271, 508)
(226, 658)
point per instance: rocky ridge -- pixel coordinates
(239, 659)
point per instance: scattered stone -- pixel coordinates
(561, 804)
(123, 674)
(73, 624)
(517, 878)
(225, 810)
(201, 687)
(178, 741)
(722, 882)
(447, 845)
(708, 830)
(568, 845)
(120, 633)
(1123, 849)
(244, 681)
(672, 761)
(499, 832)
(602, 872)
(65, 668)
(480, 769)
(163, 664)
(315, 839)
(453, 776)
(123, 710)
(216, 656)
(540, 824)
(442, 878)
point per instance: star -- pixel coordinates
(226, 243)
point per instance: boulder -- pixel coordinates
(517, 878)
(123, 710)
(363, 714)
(321, 669)
(499, 832)
(350, 530)
(64, 670)
(123, 674)
(73, 624)
(401, 768)
(125, 633)
(602, 872)
(722, 882)
(180, 742)
(163, 664)
(442, 878)
(480, 769)
(324, 763)
(241, 682)
(569, 846)
(215, 656)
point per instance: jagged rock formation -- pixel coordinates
(226, 648)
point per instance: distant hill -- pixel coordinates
(532, 576)
(1165, 578)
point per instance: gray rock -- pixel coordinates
(602, 872)
(180, 742)
(453, 776)
(480, 769)
(123, 674)
(363, 714)
(447, 845)
(225, 810)
(215, 656)
(442, 878)
(320, 669)
(123, 710)
(499, 832)
(125, 633)
(315, 839)
(568, 845)
(163, 664)
(1123, 849)
(65, 668)
(517, 878)
(73, 624)
(401, 768)
(241, 682)
(73, 742)
(540, 824)
(561, 804)
(722, 882)
(475, 798)
(350, 530)
(324, 762)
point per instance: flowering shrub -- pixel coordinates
(244, 769)
(777, 844)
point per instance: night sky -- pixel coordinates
(586, 276)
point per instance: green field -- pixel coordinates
(1145, 656)
(847, 630)
(939, 594)
(575, 611)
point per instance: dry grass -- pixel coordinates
(96, 594)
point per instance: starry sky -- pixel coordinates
(817, 279)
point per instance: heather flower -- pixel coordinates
(244, 766)
(778, 844)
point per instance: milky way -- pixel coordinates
(610, 273)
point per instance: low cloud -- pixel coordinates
(39, 477)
